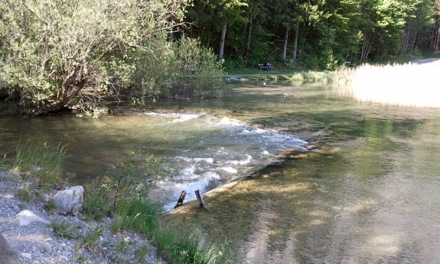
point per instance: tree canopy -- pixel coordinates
(321, 33)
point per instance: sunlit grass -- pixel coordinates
(404, 85)
(123, 195)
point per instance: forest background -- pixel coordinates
(58, 54)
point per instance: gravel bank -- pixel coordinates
(37, 242)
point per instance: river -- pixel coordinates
(366, 193)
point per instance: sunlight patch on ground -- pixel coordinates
(404, 85)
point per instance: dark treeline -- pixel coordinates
(314, 33)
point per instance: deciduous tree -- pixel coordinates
(60, 52)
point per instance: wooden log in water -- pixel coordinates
(7, 255)
(181, 198)
(199, 199)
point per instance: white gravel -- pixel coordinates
(37, 242)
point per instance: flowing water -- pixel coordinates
(368, 193)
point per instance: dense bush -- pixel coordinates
(185, 69)
(71, 53)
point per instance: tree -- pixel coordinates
(211, 18)
(339, 32)
(435, 45)
(419, 22)
(60, 52)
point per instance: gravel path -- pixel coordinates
(37, 242)
(429, 60)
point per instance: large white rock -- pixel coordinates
(26, 217)
(69, 201)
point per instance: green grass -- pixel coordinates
(123, 195)
(41, 160)
(141, 253)
(65, 230)
(284, 74)
(90, 240)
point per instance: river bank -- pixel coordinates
(38, 243)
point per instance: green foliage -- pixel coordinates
(56, 53)
(124, 193)
(65, 230)
(50, 206)
(184, 69)
(24, 193)
(90, 240)
(42, 160)
(200, 75)
(131, 206)
(137, 214)
(186, 248)
(97, 204)
(330, 32)
(141, 253)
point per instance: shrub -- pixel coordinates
(185, 69)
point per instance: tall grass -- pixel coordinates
(404, 85)
(42, 160)
(183, 248)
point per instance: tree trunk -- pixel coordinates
(410, 38)
(286, 41)
(7, 255)
(221, 53)
(436, 35)
(366, 48)
(249, 37)
(295, 44)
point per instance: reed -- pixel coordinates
(409, 84)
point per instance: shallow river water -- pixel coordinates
(368, 192)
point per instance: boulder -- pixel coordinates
(69, 201)
(26, 217)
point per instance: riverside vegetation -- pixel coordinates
(121, 196)
(57, 55)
